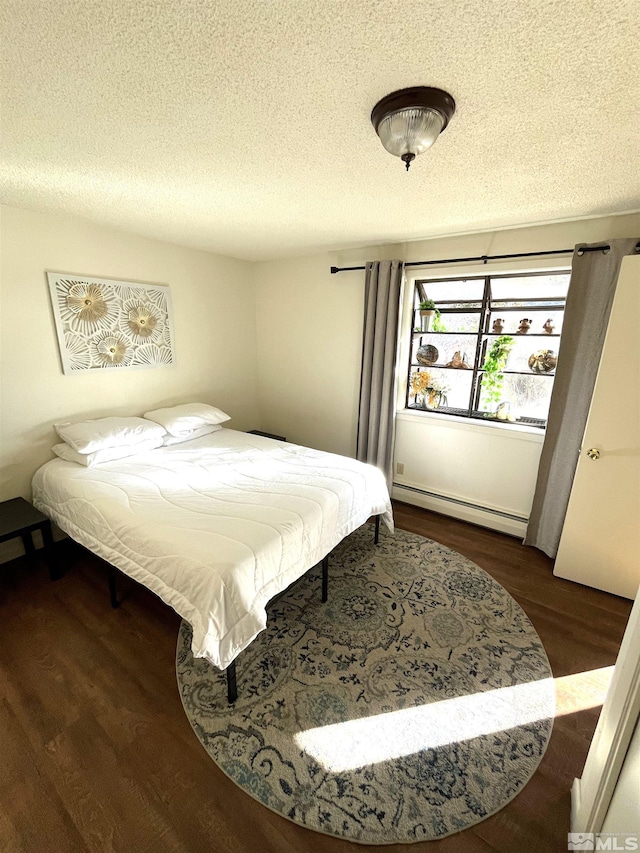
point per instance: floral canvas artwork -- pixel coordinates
(103, 323)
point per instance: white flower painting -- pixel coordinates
(109, 324)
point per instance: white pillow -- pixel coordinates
(169, 439)
(188, 416)
(89, 436)
(109, 454)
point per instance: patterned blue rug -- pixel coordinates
(415, 703)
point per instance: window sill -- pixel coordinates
(520, 431)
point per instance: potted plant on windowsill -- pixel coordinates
(427, 310)
(436, 393)
(418, 382)
(429, 391)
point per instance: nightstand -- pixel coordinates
(19, 518)
(266, 434)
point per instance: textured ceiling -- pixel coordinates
(242, 126)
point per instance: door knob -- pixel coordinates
(594, 454)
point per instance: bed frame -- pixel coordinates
(232, 686)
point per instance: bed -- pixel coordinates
(216, 526)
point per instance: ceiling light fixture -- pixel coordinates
(410, 120)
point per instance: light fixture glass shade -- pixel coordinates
(410, 120)
(410, 131)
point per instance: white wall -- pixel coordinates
(479, 472)
(309, 327)
(214, 321)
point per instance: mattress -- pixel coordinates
(215, 526)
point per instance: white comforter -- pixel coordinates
(216, 526)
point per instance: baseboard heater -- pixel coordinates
(524, 519)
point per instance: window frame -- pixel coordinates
(418, 285)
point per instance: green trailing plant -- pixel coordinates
(494, 364)
(427, 305)
(436, 324)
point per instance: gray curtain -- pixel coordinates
(376, 417)
(591, 290)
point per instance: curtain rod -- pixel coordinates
(485, 258)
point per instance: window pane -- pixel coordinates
(455, 290)
(552, 287)
(458, 322)
(450, 388)
(527, 396)
(531, 394)
(455, 350)
(443, 348)
(510, 321)
(526, 347)
(458, 387)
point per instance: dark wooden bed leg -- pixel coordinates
(376, 535)
(232, 687)
(112, 586)
(49, 550)
(325, 578)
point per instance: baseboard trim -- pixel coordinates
(504, 522)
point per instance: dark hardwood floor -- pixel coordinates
(96, 753)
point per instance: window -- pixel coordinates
(490, 349)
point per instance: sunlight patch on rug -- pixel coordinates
(415, 703)
(355, 743)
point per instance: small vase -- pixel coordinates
(425, 320)
(432, 399)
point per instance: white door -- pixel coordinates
(600, 543)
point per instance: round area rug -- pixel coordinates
(416, 702)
